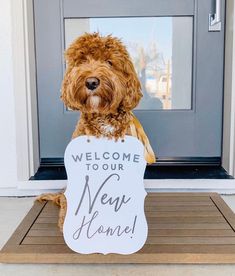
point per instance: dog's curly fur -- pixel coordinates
(106, 110)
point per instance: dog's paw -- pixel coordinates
(42, 198)
(55, 198)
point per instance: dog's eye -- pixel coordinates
(109, 62)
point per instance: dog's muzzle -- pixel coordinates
(92, 83)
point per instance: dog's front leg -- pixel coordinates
(62, 213)
(137, 131)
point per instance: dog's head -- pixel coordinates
(100, 76)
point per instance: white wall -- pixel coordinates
(7, 115)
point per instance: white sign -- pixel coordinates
(105, 195)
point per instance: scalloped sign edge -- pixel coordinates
(105, 195)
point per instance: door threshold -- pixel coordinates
(57, 172)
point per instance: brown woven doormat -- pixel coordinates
(183, 228)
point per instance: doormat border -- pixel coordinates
(16, 252)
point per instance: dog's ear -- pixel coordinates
(66, 83)
(133, 87)
(73, 55)
(67, 90)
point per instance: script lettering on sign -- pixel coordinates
(105, 196)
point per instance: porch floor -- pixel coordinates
(183, 228)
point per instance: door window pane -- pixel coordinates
(161, 50)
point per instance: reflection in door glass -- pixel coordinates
(160, 48)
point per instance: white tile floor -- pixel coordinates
(12, 211)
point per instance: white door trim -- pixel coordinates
(26, 106)
(228, 157)
(24, 81)
(221, 186)
(202, 184)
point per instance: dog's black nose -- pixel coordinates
(92, 83)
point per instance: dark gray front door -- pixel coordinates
(178, 60)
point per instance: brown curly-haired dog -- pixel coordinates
(101, 82)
